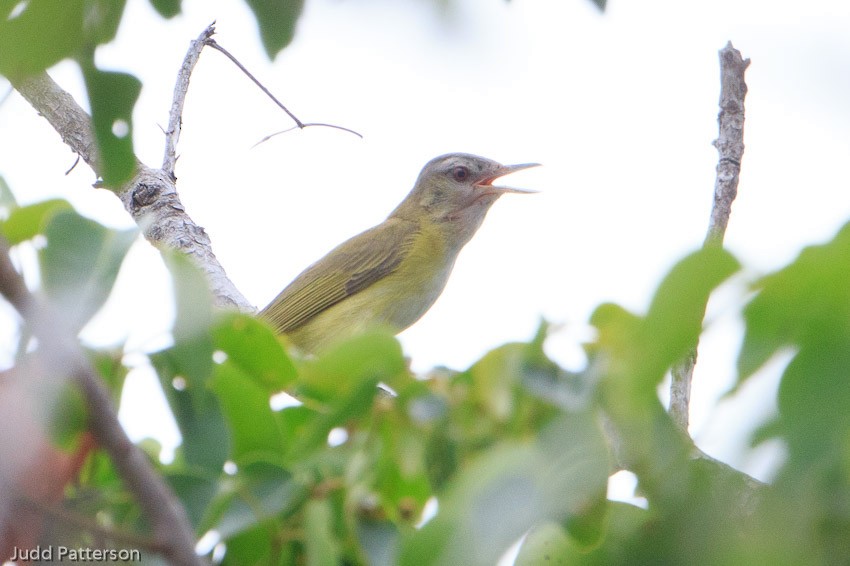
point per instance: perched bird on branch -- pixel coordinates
(390, 275)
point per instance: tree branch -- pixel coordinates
(150, 197)
(730, 147)
(62, 356)
(181, 87)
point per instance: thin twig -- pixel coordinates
(181, 87)
(73, 166)
(301, 125)
(63, 356)
(730, 147)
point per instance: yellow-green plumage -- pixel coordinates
(391, 274)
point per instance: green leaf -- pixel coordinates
(379, 540)
(101, 19)
(587, 527)
(166, 8)
(80, 263)
(253, 347)
(69, 417)
(322, 546)
(25, 222)
(355, 402)
(257, 492)
(798, 305)
(206, 438)
(814, 397)
(494, 379)
(253, 546)
(253, 427)
(546, 545)
(374, 356)
(193, 344)
(510, 488)
(112, 96)
(195, 491)
(276, 19)
(39, 36)
(674, 320)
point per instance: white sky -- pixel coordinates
(620, 108)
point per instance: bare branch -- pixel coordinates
(62, 356)
(59, 108)
(150, 197)
(181, 87)
(730, 147)
(298, 123)
(730, 142)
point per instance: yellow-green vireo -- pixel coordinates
(391, 274)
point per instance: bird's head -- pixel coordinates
(455, 191)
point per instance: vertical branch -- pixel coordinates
(181, 87)
(730, 147)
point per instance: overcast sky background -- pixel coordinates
(620, 108)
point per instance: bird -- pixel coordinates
(391, 274)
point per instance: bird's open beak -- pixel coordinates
(501, 172)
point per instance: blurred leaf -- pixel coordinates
(353, 403)
(491, 503)
(674, 320)
(253, 546)
(322, 546)
(587, 526)
(253, 427)
(373, 356)
(397, 464)
(600, 4)
(546, 380)
(193, 344)
(195, 492)
(379, 540)
(814, 398)
(800, 304)
(206, 438)
(112, 96)
(69, 417)
(166, 8)
(546, 545)
(257, 492)
(494, 378)
(101, 19)
(109, 366)
(254, 348)
(79, 265)
(276, 19)
(26, 222)
(442, 457)
(39, 36)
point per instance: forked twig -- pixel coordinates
(298, 123)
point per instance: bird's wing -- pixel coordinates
(346, 270)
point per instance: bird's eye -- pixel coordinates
(460, 173)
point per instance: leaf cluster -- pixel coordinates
(512, 445)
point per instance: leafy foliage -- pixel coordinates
(512, 445)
